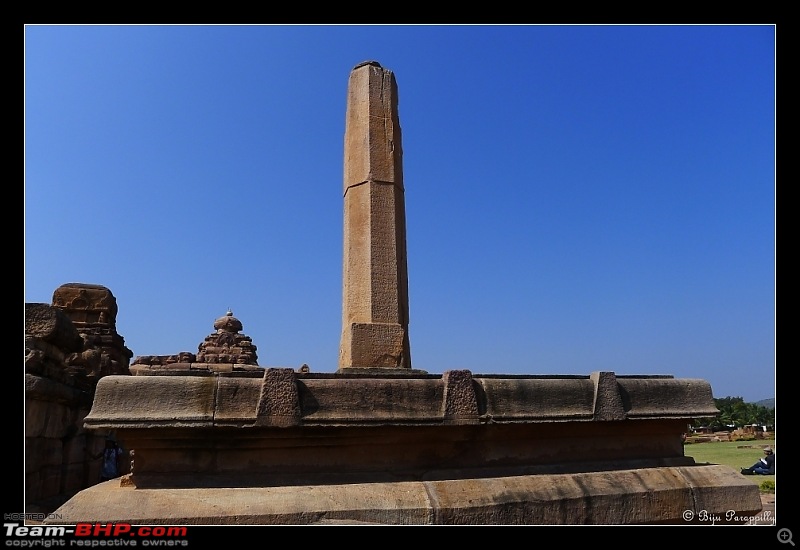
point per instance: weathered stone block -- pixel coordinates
(552, 397)
(172, 398)
(371, 400)
(607, 400)
(237, 399)
(278, 402)
(371, 345)
(659, 396)
(460, 400)
(86, 303)
(53, 326)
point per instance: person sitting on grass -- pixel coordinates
(765, 466)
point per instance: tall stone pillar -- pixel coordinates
(375, 274)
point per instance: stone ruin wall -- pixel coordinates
(69, 345)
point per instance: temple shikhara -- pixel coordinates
(217, 439)
(224, 350)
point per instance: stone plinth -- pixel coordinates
(627, 497)
(456, 448)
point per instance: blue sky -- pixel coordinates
(579, 198)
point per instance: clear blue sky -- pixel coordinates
(578, 198)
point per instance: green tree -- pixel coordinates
(735, 413)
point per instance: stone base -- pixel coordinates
(666, 495)
(374, 345)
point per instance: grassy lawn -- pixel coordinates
(736, 454)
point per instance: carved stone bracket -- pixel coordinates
(279, 401)
(460, 403)
(607, 398)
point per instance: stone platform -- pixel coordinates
(301, 448)
(640, 496)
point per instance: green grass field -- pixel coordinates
(736, 454)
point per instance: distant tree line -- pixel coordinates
(735, 413)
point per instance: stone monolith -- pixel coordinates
(375, 273)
